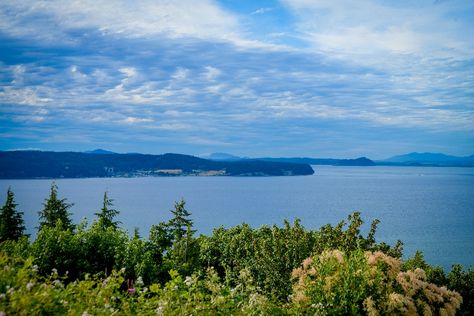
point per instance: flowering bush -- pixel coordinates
(355, 283)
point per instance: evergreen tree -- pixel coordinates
(183, 255)
(107, 214)
(12, 226)
(56, 210)
(180, 224)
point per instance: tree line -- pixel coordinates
(334, 270)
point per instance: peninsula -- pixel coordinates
(47, 164)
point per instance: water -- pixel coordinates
(429, 209)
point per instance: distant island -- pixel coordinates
(412, 159)
(428, 159)
(362, 161)
(101, 163)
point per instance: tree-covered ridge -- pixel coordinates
(99, 269)
(41, 164)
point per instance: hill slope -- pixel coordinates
(41, 164)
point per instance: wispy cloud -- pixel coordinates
(368, 27)
(194, 77)
(262, 11)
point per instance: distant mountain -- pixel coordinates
(431, 159)
(362, 161)
(221, 157)
(42, 164)
(99, 152)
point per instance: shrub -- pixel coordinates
(356, 283)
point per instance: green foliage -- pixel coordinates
(184, 253)
(330, 237)
(56, 249)
(107, 214)
(270, 254)
(359, 283)
(99, 250)
(463, 282)
(16, 248)
(12, 226)
(180, 223)
(55, 210)
(286, 270)
(25, 292)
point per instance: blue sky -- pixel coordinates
(313, 78)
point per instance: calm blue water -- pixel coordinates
(430, 209)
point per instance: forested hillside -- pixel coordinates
(42, 164)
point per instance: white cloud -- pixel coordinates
(261, 11)
(180, 74)
(370, 27)
(128, 71)
(134, 120)
(47, 20)
(18, 74)
(23, 96)
(174, 126)
(211, 73)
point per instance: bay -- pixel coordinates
(429, 208)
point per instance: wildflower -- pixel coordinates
(2, 313)
(369, 307)
(54, 271)
(131, 291)
(29, 285)
(188, 281)
(85, 313)
(122, 270)
(57, 283)
(139, 281)
(338, 255)
(161, 308)
(2, 295)
(307, 262)
(35, 268)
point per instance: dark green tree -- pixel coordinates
(107, 214)
(181, 221)
(56, 210)
(12, 226)
(183, 254)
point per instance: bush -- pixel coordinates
(357, 283)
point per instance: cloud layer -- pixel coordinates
(334, 79)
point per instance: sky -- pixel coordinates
(315, 78)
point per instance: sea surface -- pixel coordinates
(429, 208)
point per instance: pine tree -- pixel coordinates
(180, 224)
(12, 226)
(107, 214)
(56, 210)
